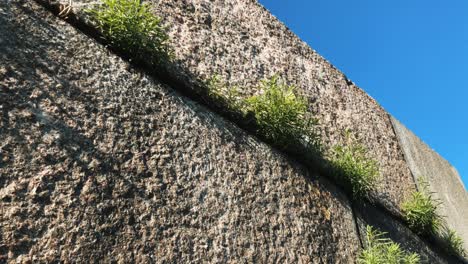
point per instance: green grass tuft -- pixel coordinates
(353, 167)
(226, 95)
(381, 250)
(130, 27)
(454, 242)
(420, 211)
(282, 115)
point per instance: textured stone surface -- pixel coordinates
(443, 179)
(99, 162)
(399, 233)
(242, 42)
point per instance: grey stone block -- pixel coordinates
(442, 177)
(100, 162)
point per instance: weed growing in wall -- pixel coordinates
(227, 95)
(282, 115)
(381, 250)
(420, 211)
(130, 27)
(453, 242)
(353, 167)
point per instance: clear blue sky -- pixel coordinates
(410, 55)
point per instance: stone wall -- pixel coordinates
(443, 179)
(99, 160)
(243, 43)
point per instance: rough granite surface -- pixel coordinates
(444, 180)
(100, 163)
(243, 43)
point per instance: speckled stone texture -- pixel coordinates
(443, 179)
(99, 163)
(243, 43)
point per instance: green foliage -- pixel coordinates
(227, 95)
(130, 27)
(282, 115)
(454, 242)
(353, 167)
(420, 211)
(381, 250)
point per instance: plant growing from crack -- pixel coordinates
(382, 250)
(353, 167)
(130, 27)
(454, 242)
(421, 213)
(280, 113)
(224, 94)
(420, 210)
